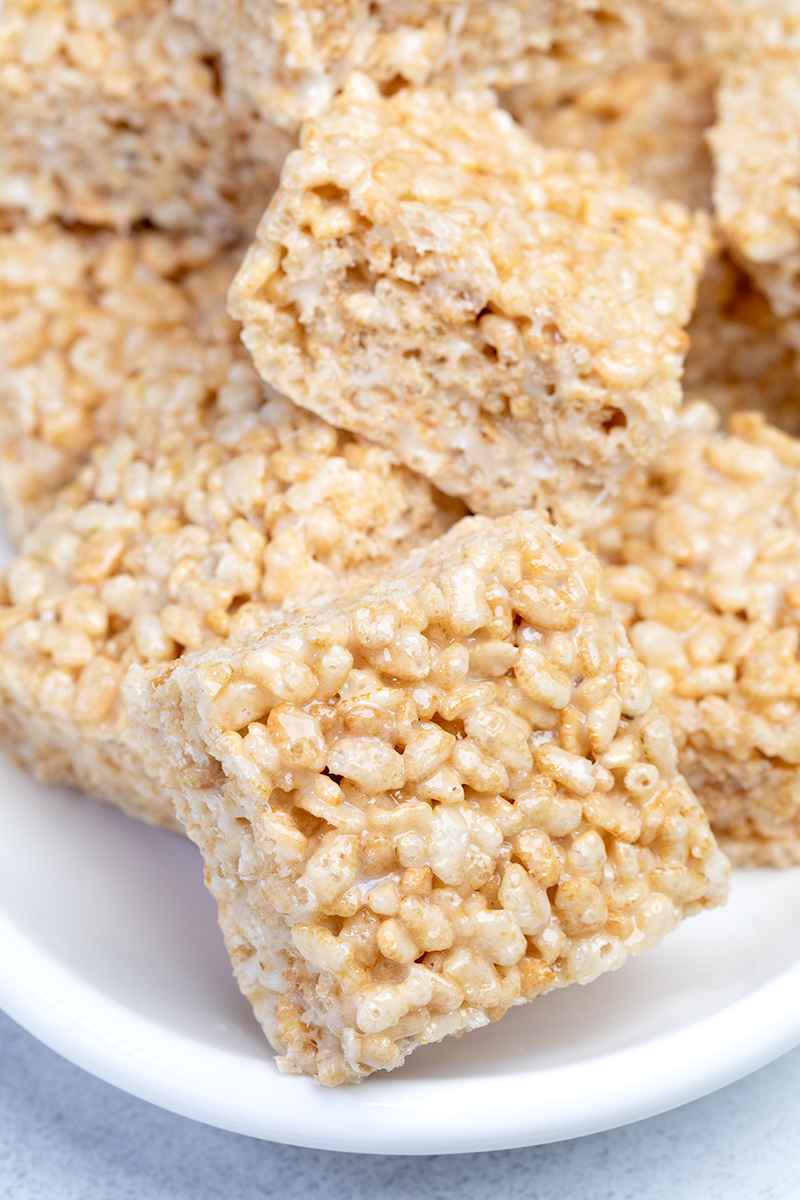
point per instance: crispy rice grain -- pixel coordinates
(506, 319)
(403, 844)
(293, 55)
(707, 575)
(208, 507)
(90, 323)
(647, 120)
(756, 147)
(113, 112)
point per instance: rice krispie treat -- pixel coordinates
(741, 356)
(207, 508)
(114, 111)
(422, 808)
(293, 55)
(647, 120)
(506, 319)
(708, 580)
(756, 146)
(91, 322)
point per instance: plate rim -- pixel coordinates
(685, 1064)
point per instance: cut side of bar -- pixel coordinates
(507, 319)
(114, 112)
(291, 56)
(206, 509)
(423, 807)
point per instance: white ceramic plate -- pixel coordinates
(110, 953)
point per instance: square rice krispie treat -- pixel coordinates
(208, 507)
(114, 111)
(293, 55)
(707, 576)
(756, 147)
(424, 807)
(508, 320)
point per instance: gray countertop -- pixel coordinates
(66, 1136)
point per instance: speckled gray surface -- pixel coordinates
(67, 1136)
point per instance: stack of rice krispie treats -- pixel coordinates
(397, 415)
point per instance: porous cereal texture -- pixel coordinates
(741, 355)
(506, 319)
(647, 120)
(707, 577)
(293, 55)
(207, 508)
(90, 323)
(114, 111)
(424, 807)
(756, 147)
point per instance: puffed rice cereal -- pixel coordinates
(647, 120)
(506, 319)
(434, 803)
(756, 146)
(293, 55)
(90, 322)
(706, 572)
(116, 111)
(208, 508)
